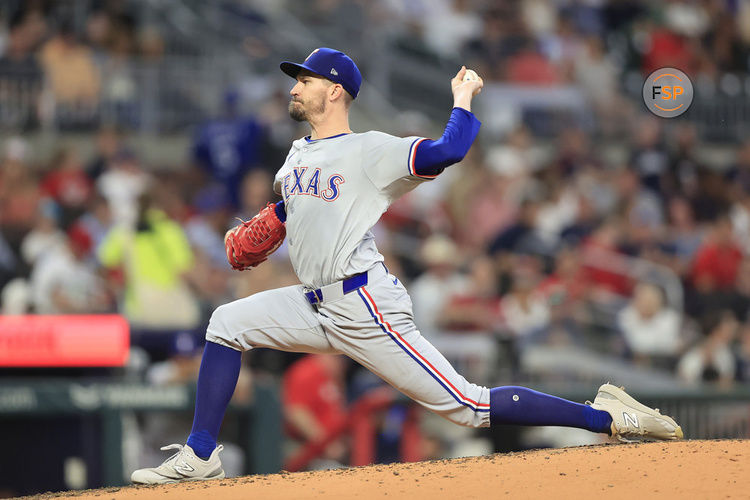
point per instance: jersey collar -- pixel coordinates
(307, 137)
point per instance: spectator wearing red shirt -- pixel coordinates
(668, 49)
(314, 404)
(532, 68)
(68, 184)
(718, 260)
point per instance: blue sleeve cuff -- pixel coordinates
(280, 210)
(432, 157)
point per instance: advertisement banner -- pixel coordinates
(63, 341)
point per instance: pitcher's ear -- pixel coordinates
(338, 91)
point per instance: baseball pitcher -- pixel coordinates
(335, 185)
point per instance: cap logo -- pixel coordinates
(311, 54)
(334, 72)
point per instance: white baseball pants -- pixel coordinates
(373, 325)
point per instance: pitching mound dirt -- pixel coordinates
(686, 469)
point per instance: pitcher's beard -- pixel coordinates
(299, 114)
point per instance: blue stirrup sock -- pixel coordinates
(521, 406)
(217, 378)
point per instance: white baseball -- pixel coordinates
(470, 75)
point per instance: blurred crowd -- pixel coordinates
(526, 249)
(641, 258)
(589, 42)
(645, 259)
(55, 72)
(75, 65)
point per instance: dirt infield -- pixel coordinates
(686, 469)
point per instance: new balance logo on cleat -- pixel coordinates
(184, 467)
(630, 418)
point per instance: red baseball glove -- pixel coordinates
(251, 242)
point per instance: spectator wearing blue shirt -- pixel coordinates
(229, 146)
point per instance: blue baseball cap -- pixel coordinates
(331, 64)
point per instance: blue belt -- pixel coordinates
(347, 285)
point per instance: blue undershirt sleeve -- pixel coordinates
(280, 210)
(432, 157)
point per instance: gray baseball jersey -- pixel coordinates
(335, 190)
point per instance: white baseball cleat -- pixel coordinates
(182, 466)
(632, 421)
